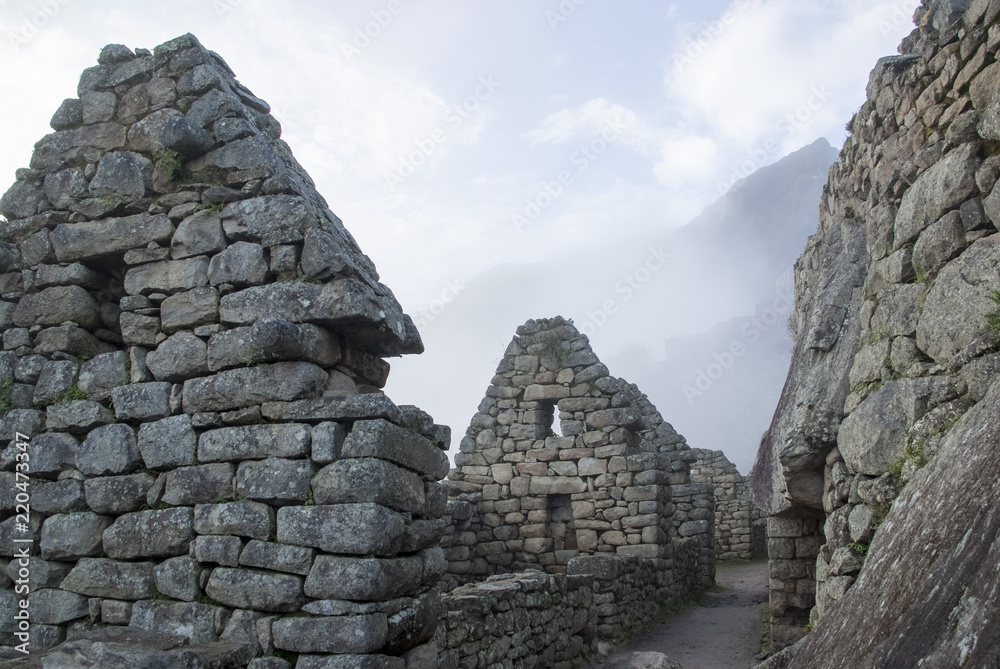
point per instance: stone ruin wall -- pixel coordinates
(193, 347)
(560, 620)
(892, 296)
(193, 351)
(740, 526)
(612, 495)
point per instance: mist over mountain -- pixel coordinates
(664, 311)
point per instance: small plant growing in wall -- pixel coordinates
(993, 319)
(860, 547)
(173, 164)
(553, 350)
(73, 393)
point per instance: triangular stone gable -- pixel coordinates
(168, 175)
(193, 346)
(606, 483)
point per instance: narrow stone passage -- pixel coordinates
(723, 633)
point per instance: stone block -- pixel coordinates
(331, 634)
(51, 453)
(278, 557)
(74, 416)
(189, 309)
(56, 305)
(139, 330)
(142, 401)
(556, 485)
(221, 550)
(253, 219)
(179, 578)
(181, 356)
(873, 436)
(100, 375)
(641, 493)
(363, 579)
(117, 495)
(352, 529)
(780, 527)
(624, 417)
(167, 276)
(108, 450)
(592, 466)
(328, 442)
(251, 442)
(245, 519)
(112, 579)
(257, 590)
(540, 393)
(68, 536)
(381, 439)
(648, 551)
(357, 407)
(199, 623)
(944, 186)
(56, 378)
(40, 573)
(168, 443)
(200, 484)
(693, 527)
(272, 340)
(49, 498)
(358, 480)
(198, 234)
(276, 481)
(120, 174)
(155, 533)
(240, 264)
(114, 612)
(109, 237)
(955, 310)
(51, 606)
(237, 388)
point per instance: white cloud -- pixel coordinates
(762, 79)
(802, 48)
(687, 158)
(592, 118)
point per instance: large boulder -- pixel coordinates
(928, 591)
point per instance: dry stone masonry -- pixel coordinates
(613, 483)
(740, 526)
(880, 469)
(559, 620)
(193, 346)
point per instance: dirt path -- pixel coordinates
(723, 633)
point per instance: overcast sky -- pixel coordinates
(452, 137)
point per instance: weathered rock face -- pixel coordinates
(881, 439)
(193, 346)
(617, 482)
(927, 595)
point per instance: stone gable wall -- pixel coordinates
(607, 485)
(603, 519)
(193, 347)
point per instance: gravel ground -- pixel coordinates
(723, 633)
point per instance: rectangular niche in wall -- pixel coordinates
(561, 523)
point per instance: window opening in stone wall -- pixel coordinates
(560, 523)
(555, 425)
